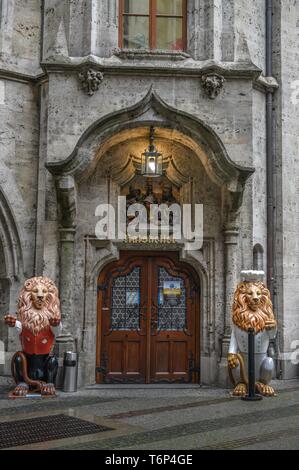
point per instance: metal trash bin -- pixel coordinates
(70, 372)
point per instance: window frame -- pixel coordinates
(153, 15)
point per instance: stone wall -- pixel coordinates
(20, 36)
(47, 117)
(287, 180)
(20, 40)
(19, 161)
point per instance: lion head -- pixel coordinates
(252, 306)
(38, 303)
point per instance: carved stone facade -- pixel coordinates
(91, 80)
(75, 112)
(212, 84)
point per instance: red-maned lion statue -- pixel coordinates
(38, 321)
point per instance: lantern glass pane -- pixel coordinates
(143, 164)
(151, 165)
(159, 169)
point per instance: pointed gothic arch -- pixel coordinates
(152, 110)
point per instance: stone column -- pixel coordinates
(204, 29)
(65, 341)
(93, 27)
(107, 29)
(67, 237)
(228, 31)
(231, 267)
(232, 201)
(67, 216)
(7, 27)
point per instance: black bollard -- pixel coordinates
(251, 396)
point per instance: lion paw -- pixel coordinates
(240, 390)
(21, 390)
(48, 389)
(265, 390)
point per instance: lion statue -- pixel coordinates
(252, 308)
(38, 321)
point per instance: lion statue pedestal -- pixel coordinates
(252, 308)
(37, 323)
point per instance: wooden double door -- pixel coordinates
(148, 320)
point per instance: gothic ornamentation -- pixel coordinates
(212, 84)
(160, 193)
(90, 80)
(67, 202)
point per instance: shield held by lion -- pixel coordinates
(252, 308)
(38, 321)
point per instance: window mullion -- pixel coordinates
(153, 24)
(120, 24)
(184, 25)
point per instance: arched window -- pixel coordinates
(258, 257)
(153, 24)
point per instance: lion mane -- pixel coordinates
(31, 318)
(243, 316)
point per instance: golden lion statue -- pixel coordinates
(37, 323)
(252, 308)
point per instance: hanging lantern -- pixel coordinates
(151, 160)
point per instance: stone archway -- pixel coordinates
(96, 172)
(152, 110)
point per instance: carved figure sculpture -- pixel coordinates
(91, 80)
(212, 84)
(37, 323)
(167, 196)
(252, 308)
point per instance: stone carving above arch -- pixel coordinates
(65, 187)
(152, 110)
(212, 84)
(90, 80)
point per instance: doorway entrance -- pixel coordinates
(148, 320)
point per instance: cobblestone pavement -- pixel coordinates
(164, 417)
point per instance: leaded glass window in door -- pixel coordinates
(125, 301)
(171, 302)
